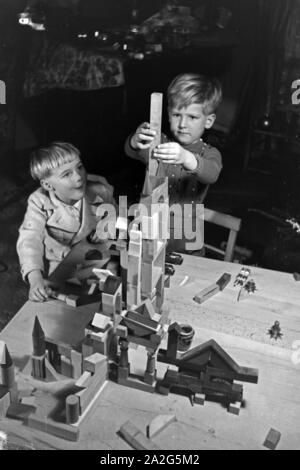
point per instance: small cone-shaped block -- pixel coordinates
(2, 349)
(7, 370)
(38, 339)
(6, 358)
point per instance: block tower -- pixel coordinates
(149, 233)
(143, 322)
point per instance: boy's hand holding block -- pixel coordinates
(213, 289)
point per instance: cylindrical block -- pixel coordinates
(72, 409)
(38, 367)
(8, 376)
(151, 362)
(123, 353)
(185, 337)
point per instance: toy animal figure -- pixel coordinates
(250, 286)
(275, 331)
(242, 277)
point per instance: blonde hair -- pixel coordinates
(192, 88)
(46, 159)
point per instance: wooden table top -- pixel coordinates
(241, 328)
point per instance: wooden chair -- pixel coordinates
(227, 221)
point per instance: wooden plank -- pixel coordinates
(272, 439)
(155, 124)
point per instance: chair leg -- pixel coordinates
(230, 246)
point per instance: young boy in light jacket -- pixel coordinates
(59, 214)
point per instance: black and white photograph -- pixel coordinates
(149, 227)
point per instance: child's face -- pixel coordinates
(68, 181)
(189, 123)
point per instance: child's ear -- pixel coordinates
(210, 119)
(46, 185)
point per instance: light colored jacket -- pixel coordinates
(49, 231)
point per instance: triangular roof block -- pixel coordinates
(146, 309)
(37, 331)
(210, 354)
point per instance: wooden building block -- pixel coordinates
(7, 370)
(59, 346)
(150, 227)
(84, 380)
(133, 295)
(235, 408)
(199, 398)
(143, 320)
(5, 401)
(20, 412)
(58, 296)
(213, 289)
(134, 437)
(93, 288)
(72, 409)
(95, 362)
(76, 361)
(134, 270)
(28, 400)
(51, 373)
(100, 322)
(87, 347)
(135, 243)
(159, 423)
(155, 124)
(272, 439)
(134, 381)
(87, 394)
(122, 331)
(38, 339)
(72, 300)
(66, 366)
(2, 353)
(63, 430)
(123, 373)
(38, 367)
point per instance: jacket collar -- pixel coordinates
(59, 218)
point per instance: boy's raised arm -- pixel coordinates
(137, 144)
(208, 167)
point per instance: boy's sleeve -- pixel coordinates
(209, 165)
(102, 187)
(141, 155)
(30, 244)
